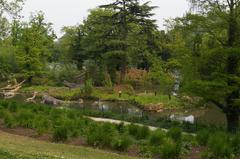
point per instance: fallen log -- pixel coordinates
(10, 87)
(10, 91)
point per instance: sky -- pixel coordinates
(71, 12)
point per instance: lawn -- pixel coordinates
(16, 147)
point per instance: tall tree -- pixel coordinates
(12, 7)
(34, 43)
(71, 45)
(7, 8)
(126, 12)
(221, 78)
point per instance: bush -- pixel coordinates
(100, 135)
(143, 132)
(170, 150)
(4, 104)
(41, 124)
(13, 107)
(175, 134)
(122, 143)
(202, 137)
(25, 119)
(132, 129)
(88, 88)
(139, 132)
(236, 144)
(60, 134)
(219, 146)
(157, 138)
(9, 120)
(121, 128)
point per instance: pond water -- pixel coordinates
(209, 115)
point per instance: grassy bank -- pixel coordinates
(106, 94)
(19, 147)
(69, 126)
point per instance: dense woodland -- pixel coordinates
(115, 53)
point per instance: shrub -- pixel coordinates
(175, 134)
(170, 150)
(60, 134)
(157, 138)
(143, 132)
(139, 132)
(41, 124)
(88, 88)
(13, 107)
(122, 143)
(219, 146)
(4, 104)
(9, 120)
(100, 135)
(25, 119)
(132, 129)
(121, 128)
(236, 144)
(202, 137)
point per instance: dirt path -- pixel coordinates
(124, 122)
(152, 128)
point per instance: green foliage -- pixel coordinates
(59, 72)
(175, 134)
(170, 150)
(8, 120)
(87, 88)
(202, 137)
(122, 143)
(25, 119)
(60, 133)
(100, 136)
(139, 132)
(41, 125)
(157, 138)
(219, 146)
(235, 142)
(160, 77)
(33, 42)
(13, 107)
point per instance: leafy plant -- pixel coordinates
(60, 134)
(122, 143)
(202, 137)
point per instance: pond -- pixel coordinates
(210, 115)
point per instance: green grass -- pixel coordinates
(104, 94)
(18, 147)
(140, 99)
(62, 93)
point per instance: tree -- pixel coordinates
(34, 42)
(12, 7)
(70, 43)
(220, 81)
(127, 12)
(7, 59)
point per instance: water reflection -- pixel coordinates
(209, 115)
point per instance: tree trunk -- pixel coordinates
(232, 122)
(123, 73)
(232, 24)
